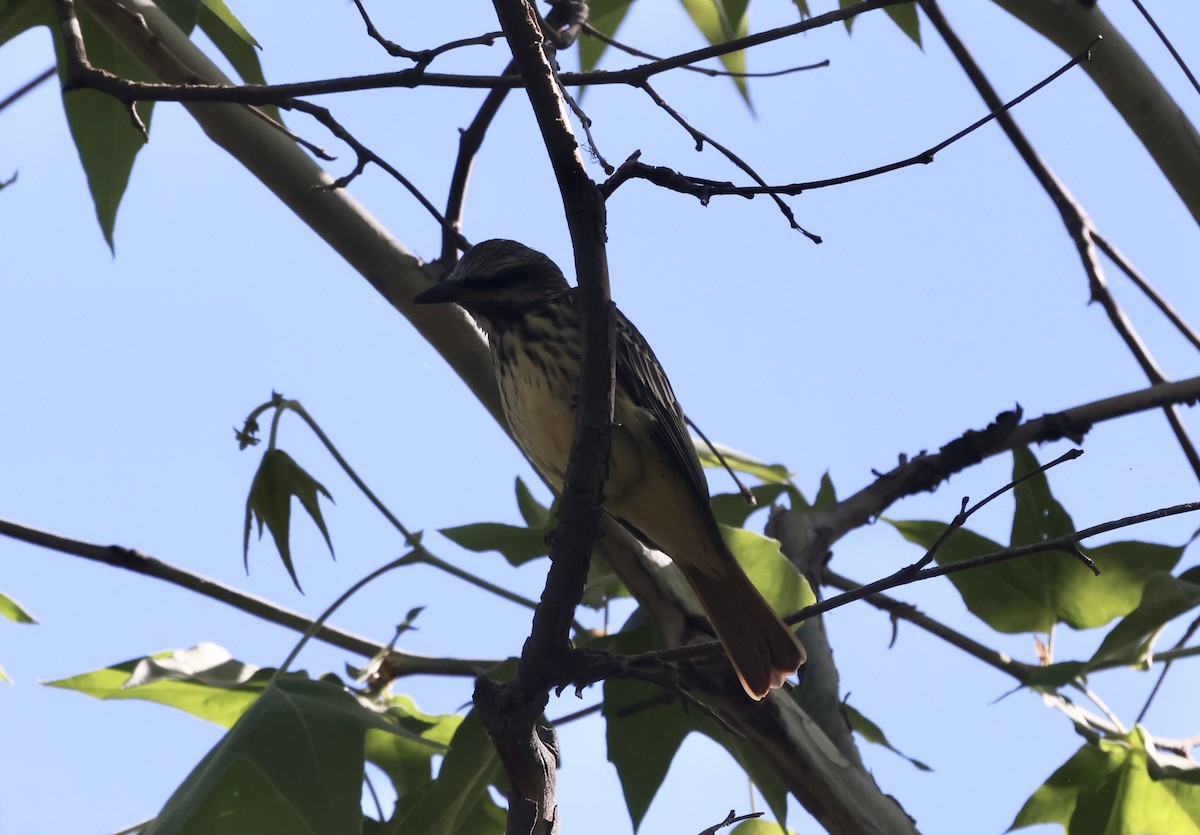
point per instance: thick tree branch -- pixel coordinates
(926, 471)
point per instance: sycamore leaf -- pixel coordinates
(732, 508)
(1106, 787)
(1054, 676)
(780, 583)
(871, 732)
(742, 463)
(278, 479)
(458, 800)
(903, 15)
(203, 681)
(297, 751)
(535, 514)
(236, 43)
(13, 611)
(1032, 593)
(1163, 598)
(644, 735)
(407, 762)
(759, 826)
(720, 21)
(518, 545)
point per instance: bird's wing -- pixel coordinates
(643, 380)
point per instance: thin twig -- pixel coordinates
(706, 189)
(1162, 36)
(962, 516)
(1079, 225)
(1156, 298)
(27, 87)
(700, 138)
(469, 143)
(711, 73)
(910, 574)
(140, 563)
(422, 57)
(1179, 645)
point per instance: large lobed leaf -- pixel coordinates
(1106, 787)
(1033, 593)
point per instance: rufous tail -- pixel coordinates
(764, 650)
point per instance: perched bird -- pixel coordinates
(655, 482)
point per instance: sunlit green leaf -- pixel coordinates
(1163, 599)
(872, 733)
(742, 463)
(780, 583)
(720, 21)
(1106, 788)
(1032, 593)
(278, 480)
(760, 826)
(13, 611)
(219, 693)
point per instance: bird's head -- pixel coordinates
(498, 280)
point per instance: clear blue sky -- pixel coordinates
(942, 295)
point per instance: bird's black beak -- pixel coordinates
(440, 293)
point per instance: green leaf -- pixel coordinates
(760, 826)
(535, 514)
(742, 463)
(17, 16)
(872, 733)
(732, 509)
(1032, 593)
(237, 45)
(605, 16)
(458, 800)
(1163, 598)
(105, 137)
(1053, 676)
(1106, 788)
(299, 748)
(407, 761)
(204, 681)
(780, 583)
(182, 12)
(1038, 515)
(644, 735)
(221, 12)
(518, 545)
(904, 15)
(720, 21)
(278, 479)
(603, 584)
(826, 494)
(13, 611)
